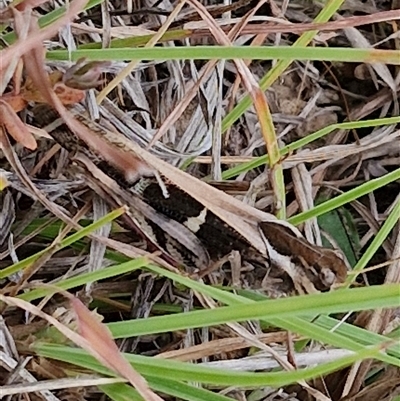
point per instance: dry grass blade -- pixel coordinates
(282, 26)
(7, 215)
(58, 384)
(223, 345)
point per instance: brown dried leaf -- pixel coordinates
(15, 127)
(66, 94)
(16, 102)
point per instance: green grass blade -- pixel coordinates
(346, 197)
(231, 52)
(169, 369)
(384, 296)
